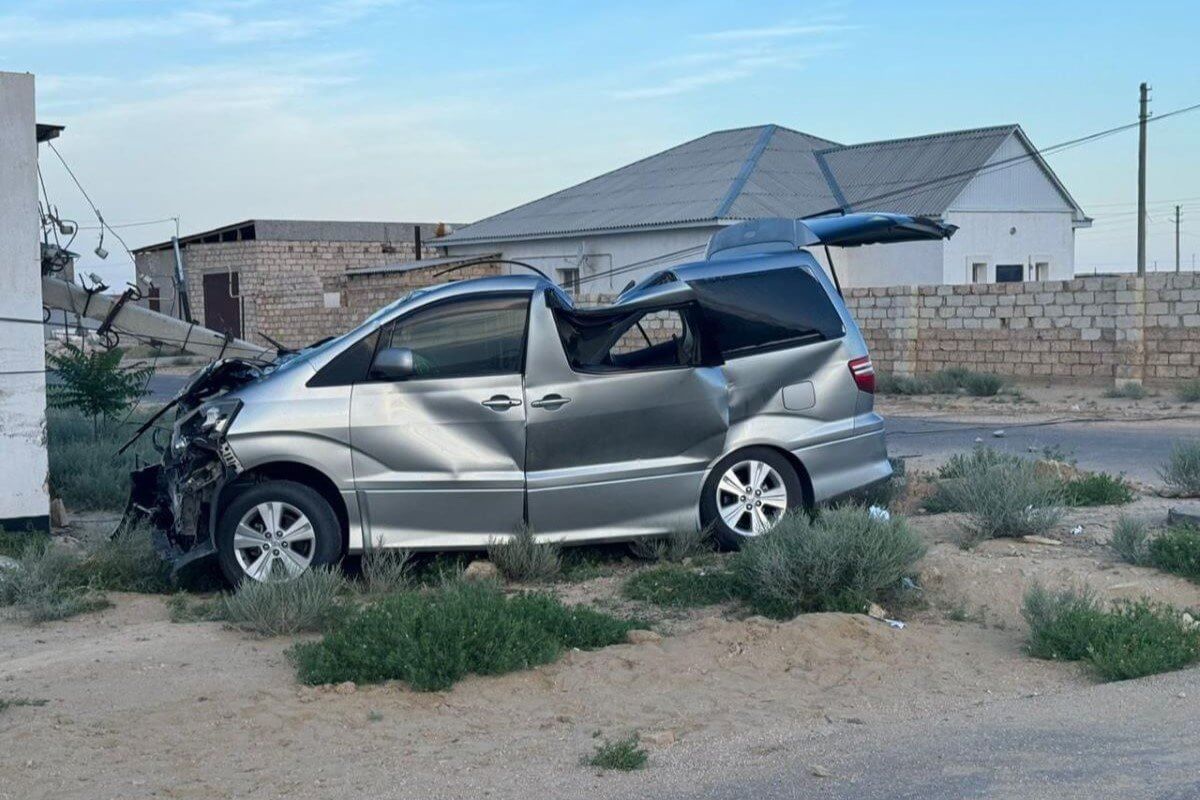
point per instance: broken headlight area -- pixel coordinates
(177, 496)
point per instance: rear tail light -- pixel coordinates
(864, 374)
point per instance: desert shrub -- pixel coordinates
(593, 561)
(521, 557)
(126, 562)
(982, 384)
(680, 587)
(19, 702)
(1098, 489)
(85, 470)
(182, 607)
(433, 638)
(624, 754)
(14, 543)
(840, 562)
(46, 585)
(1002, 495)
(1061, 623)
(386, 571)
(683, 542)
(1189, 391)
(1181, 473)
(1128, 391)
(1130, 640)
(1177, 550)
(1130, 538)
(307, 603)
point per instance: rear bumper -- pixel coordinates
(846, 465)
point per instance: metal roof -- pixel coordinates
(921, 175)
(764, 171)
(691, 183)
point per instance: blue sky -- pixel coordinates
(220, 110)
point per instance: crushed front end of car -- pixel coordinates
(177, 496)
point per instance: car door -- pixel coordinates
(439, 457)
(619, 432)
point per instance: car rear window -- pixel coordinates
(758, 311)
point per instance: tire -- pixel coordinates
(291, 548)
(779, 486)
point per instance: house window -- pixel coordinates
(568, 278)
(1041, 270)
(979, 272)
(1010, 273)
(154, 299)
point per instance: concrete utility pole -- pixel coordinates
(1144, 100)
(1177, 212)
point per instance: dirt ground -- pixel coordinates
(140, 707)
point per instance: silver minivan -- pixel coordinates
(719, 393)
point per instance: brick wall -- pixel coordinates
(1121, 328)
(298, 292)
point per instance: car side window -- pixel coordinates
(463, 338)
(651, 339)
(756, 312)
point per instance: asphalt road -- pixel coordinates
(1136, 739)
(1137, 449)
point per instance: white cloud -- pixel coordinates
(777, 32)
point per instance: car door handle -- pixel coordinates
(501, 402)
(551, 402)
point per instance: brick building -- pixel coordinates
(295, 281)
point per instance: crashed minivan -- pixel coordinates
(720, 393)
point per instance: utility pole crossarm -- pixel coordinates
(144, 323)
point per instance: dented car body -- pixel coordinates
(719, 393)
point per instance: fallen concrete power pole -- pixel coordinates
(142, 323)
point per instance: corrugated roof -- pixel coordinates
(921, 175)
(764, 171)
(305, 230)
(689, 183)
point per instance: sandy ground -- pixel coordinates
(140, 707)
(1038, 401)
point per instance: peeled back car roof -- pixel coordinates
(850, 230)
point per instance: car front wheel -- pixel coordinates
(747, 493)
(277, 531)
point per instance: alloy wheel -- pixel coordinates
(751, 497)
(274, 542)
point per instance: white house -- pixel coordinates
(1016, 220)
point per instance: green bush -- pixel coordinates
(94, 383)
(1098, 489)
(386, 571)
(46, 585)
(982, 384)
(1189, 391)
(683, 542)
(1002, 495)
(307, 603)
(623, 754)
(433, 638)
(1177, 550)
(680, 587)
(126, 562)
(521, 557)
(1129, 391)
(1181, 473)
(840, 562)
(85, 470)
(1130, 540)
(1131, 640)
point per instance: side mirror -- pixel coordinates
(394, 363)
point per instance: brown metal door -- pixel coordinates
(222, 305)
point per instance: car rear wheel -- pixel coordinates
(747, 493)
(276, 531)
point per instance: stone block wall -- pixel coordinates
(1107, 328)
(298, 292)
